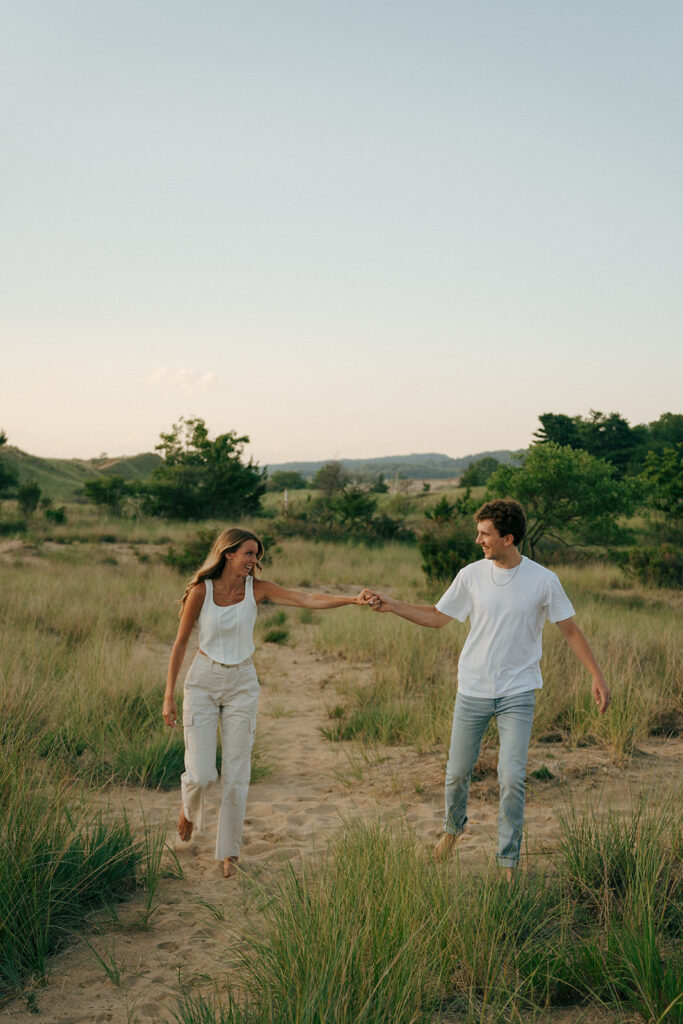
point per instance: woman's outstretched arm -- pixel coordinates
(298, 599)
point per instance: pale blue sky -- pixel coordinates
(343, 229)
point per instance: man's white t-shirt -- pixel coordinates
(507, 609)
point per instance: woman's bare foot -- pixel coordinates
(509, 876)
(445, 846)
(229, 867)
(184, 827)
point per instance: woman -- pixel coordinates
(221, 683)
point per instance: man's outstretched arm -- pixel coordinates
(579, 646)
(420, 614)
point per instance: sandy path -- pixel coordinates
(314, 788)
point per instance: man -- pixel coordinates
(507, 598)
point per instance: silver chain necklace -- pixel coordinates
(493, 580)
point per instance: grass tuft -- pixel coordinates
(377, 933)
(57, 862)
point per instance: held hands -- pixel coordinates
(170, 712)
(378, 602)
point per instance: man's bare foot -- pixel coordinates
(230, 867)
(184, 827)
(509, 875)
(445, 846)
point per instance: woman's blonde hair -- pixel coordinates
(225, 544)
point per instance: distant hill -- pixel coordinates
(431, 466)
(61, 479)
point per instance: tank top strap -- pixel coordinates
(209, 589)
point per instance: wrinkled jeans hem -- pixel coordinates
(453, 830)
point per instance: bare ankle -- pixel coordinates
(445, 846)
(230, 867)
(185, 827)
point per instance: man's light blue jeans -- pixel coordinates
(514, 716)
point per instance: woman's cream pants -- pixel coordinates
(215, 694)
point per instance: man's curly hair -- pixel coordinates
(506, 514)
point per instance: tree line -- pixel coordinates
(579, 481)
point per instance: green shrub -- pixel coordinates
(349, 515)
(276, 635)
(187, 558)
(11, 526)
(655, 567)
(57, 515)
(446, 547)
(28, 497)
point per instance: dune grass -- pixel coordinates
(62, 644)
(58, 860)
(376, 933)
(298, 562)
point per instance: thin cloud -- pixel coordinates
(186, 382)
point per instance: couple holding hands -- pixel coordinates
(507, 598)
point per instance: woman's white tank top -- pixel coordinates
(226, 634)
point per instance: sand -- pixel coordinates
(315, 788)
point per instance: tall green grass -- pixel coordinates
(301, 563)
(77, 650)
(376, 933)
(57, 861)
(626, 873)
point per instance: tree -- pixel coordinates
(200, 478)
(331, 478)
(612, 438)
(559, 429)
(353, 508)
(8, 477)
(565, 491)
(477, 473)
(666, 431)
(663, 476)
(606, 437)
(286, 479)
(28, 496)
(444, 510)
(108, 492)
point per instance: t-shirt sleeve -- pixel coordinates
(558, 606)
(457, 601)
